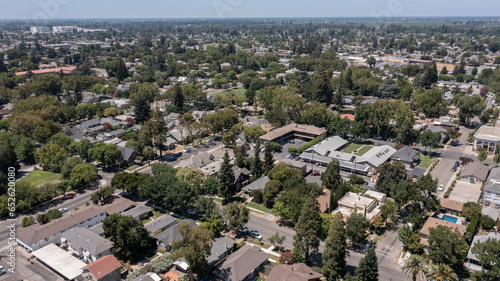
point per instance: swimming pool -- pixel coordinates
(450, 219)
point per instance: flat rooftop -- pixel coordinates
(488, 133)
(60, 261)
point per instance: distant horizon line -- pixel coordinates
(257, 18)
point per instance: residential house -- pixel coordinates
(139, 212)
(293, 272)
(104, 269)
(197, 161)
(86, 244)
(169, 234)
(91, 126)
(199, 115)
(472, 259)
(416, 172)
(475, 172)
(487, 137)
(122, 103)
(242, 264)
(379, 196)
(451, 206)
(37, 236)
(433, 223)
(355, 203)
(441, 131)
(221, 247)
(491, 196)
(258, 184)
(241, 175)
(407, 155)
(128, 153)
(159, 224)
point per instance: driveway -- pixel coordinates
(466, 192)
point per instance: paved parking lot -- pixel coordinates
(465, 192)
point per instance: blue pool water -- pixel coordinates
(450, 219)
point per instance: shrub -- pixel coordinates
(292, 150)
(286, 258)
(471, 229)
(54, 214)
(257, 196)
(487, 223)
(275, 146)
(309, 144)
(27, 221)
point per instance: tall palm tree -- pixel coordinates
(441, 272)
(415, 266)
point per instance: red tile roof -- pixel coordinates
(103, 266)
(65, 70)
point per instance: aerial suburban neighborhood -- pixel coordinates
(246, 147)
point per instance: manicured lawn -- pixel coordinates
(258, 207)
(364, 150)
(218, 200)
(425, 161)
(237, 92)
(274, 258)
(38, 177)
(352, 147)
(131, 168)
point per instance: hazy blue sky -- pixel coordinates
(29, 9)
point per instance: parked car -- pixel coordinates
(315, 173)
(457, 163)
(243, 230)
(67, 196)
(292, 156)
(454, 169)
(188, 149)
(2, 270)
(441, 187)
(455, 143)
(291, 141)
(191, 212)
(62, 210)
(255, 234)
(378, 138)
(390, 140)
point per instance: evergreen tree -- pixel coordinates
(227, 188)
(331, 178)
(268, 160)
(335, 252)
(308, 229)
(142, 110)
(256, 167)
(121, 71)
(178, 98)
(3, 66)
(368, 267)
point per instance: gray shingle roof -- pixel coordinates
(328, 145)
(476, 169)
(241, 263)
(82, 238)
(377, 155)
(258, 184)
(406, 154)
(160, 223)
